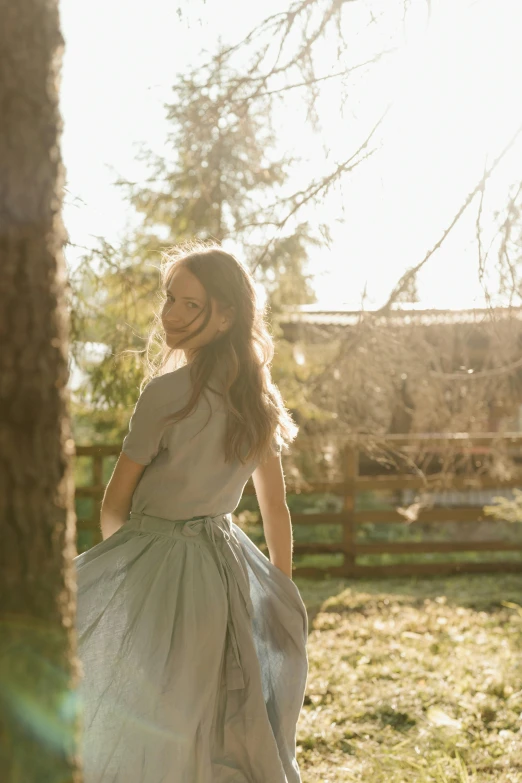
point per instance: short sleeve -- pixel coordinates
(142, 442)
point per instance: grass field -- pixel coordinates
(417, 680)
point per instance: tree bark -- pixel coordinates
(39, 673)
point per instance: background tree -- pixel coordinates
(223, 179)
(38, 670)
(220, 179)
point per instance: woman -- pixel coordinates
(192, 642)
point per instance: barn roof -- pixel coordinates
(311, 314)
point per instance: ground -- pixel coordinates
(417, 680)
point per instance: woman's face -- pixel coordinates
(184, 312)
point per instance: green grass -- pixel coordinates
(413, 680)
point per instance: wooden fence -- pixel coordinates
(350, 518)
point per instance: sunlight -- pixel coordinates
(464, 74)
(453, 83)
(457, 111)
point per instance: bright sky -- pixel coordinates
(455, 85)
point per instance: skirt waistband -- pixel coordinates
(192, 526)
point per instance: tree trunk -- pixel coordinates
(38, 667)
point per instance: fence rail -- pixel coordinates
(350, 519)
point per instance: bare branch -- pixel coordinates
(482, 260)
(337, 75)
(316, 188)
(403, 282)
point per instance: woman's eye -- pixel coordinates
(170, 298)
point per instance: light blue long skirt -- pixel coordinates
(193, 650)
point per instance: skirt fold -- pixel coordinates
(193, 650)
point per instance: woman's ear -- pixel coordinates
(227, 319)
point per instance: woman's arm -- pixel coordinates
(117, 499)
(269, 484)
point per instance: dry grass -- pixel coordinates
(417, 680)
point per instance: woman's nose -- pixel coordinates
(169, 310)
(170, 316)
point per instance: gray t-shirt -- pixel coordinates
(186, 473)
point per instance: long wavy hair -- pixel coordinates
(242, 356)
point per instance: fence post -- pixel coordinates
(351, 472)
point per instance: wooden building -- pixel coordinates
(479, 341)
